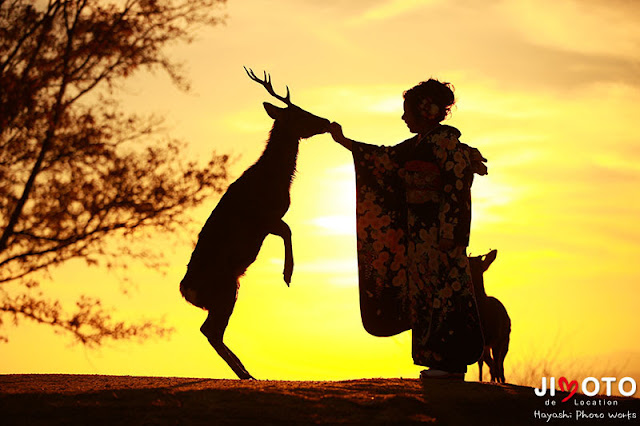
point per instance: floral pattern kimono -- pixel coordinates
(409, 197)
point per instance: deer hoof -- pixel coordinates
(287, 275)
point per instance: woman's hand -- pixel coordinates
(336, 133)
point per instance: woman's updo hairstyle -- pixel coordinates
(421, 97)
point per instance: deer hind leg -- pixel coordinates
(496, 372)
(213, 329)
(499, 357)
(480, 362)
(487, 359)
(494, 366)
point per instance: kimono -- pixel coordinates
(409, 197)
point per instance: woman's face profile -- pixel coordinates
(414, 122)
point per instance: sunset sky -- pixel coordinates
(547, 90)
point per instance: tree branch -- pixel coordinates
(90, 324)
(53, 125)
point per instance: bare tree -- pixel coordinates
(79, 178)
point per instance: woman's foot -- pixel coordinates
(440, 374)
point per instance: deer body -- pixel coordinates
(251, 209)
(495, 321)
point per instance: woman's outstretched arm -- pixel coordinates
(336, 132)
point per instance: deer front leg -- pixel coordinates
(281, 229)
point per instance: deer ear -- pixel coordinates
(273, 111)
(489, 258)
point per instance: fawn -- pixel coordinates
(496, 324)
(251, 209)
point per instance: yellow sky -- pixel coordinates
(547, 90)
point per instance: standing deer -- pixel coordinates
(251, 209)
(496, 324)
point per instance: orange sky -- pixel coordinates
(547, 90)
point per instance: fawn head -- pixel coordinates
(479, 264)
(300, 123)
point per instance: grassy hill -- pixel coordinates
(85, 399)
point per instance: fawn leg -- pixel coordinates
(500, 367)
(489, 360)
(499, 359)
(282, 230)
(496, 374)
(485, 358)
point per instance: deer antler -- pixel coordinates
(266, 82)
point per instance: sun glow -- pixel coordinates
(340, 225)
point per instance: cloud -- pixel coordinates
(335, 224)
(591, 27)
(391, 9)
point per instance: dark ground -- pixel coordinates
(89, 400)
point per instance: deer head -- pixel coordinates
(479, 264)
(301, 123)
(487, 259)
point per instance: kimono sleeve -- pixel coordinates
(381, 217)
(457, 176)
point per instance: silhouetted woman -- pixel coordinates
(413, 220)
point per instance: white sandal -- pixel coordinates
(440, 374)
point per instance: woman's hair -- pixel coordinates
(440, 94)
